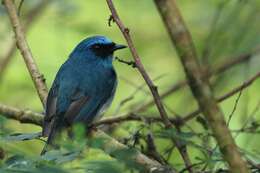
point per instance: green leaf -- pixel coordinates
(127, 156)
(18, 161)
(58, 157)
(103, 167)
(96, 142)
(22, 136)
(173, 133)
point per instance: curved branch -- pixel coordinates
(29, 19)
(37, 77)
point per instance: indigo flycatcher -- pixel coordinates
(83, 87)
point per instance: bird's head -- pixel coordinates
(97, 46)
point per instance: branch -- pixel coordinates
(10, 112)
(152, 149)
(126, 32)
(225, 96)
(29, 19)
(176, 121)
(27, 116)
(37, 77)
(24, 116)
(110, 147)
(154, 90)
(220, 68)
(200, 87)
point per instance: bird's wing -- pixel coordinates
(78, 100)
(69, 101)
(50, 110)
(73, 104)
(97, 104)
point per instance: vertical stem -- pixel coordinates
(199, 85)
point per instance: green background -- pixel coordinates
(65, 23)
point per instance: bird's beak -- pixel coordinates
(119, 46)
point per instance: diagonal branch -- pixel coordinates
(126, 32)
(29, 19)
(225, 96)
(37, 77)
(156, 97)
(220, 68)
(199, 85)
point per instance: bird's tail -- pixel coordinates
(49, 141)
(53, 132)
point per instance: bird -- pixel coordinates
(83, 88)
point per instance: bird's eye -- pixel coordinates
(96, 46)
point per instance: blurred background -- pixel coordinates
(222, 31)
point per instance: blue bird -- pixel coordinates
(83, 87)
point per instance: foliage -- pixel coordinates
(222, 32)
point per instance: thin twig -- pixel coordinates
(134, 85)
(212, 32)
(125, 31)
(154, 90)
(131, 63)
(132, 95)
(20, 7)
(37, 77)
(225, 96)
(178, 121)
(234, 108)
(250, 117)
(218, 69)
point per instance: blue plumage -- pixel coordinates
(84, 86)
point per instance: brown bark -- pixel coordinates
(37, 77)
(199, 85)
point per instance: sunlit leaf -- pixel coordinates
(59, 157)
(22, 136)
